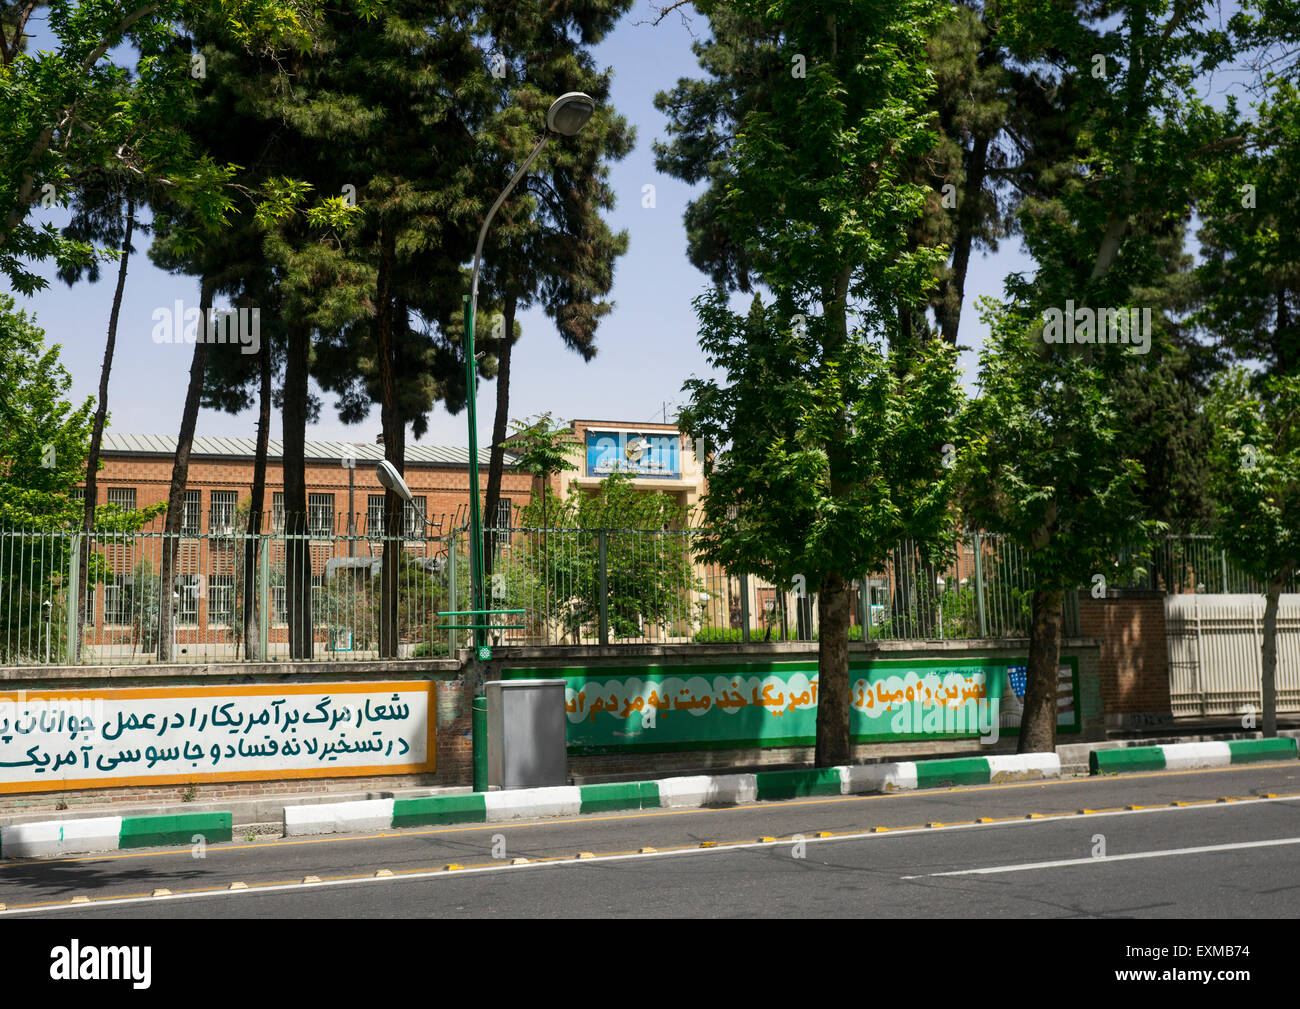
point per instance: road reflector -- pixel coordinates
(311, 879)
(1086, 812)
(646, 851)
(519, 861)
(381, 873)
(824, 833)
(585, 854)
(708, 844)
(985, 819)
(766, 840)
(1223, 798)
(80, 900)
(1033, 816)
(162, 891)
(239, 886)
(935, 824)
(451, 866)
(1131, 808)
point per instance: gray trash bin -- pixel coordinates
(526, 733)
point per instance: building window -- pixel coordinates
(375, 515)
(188, 588)
(320, 515)
(413, 512)
(191, 513)
(221, 599)
(278, 614)
(505, 512)
(277, 512)
(221, 520)
(123, 497)
(118, 600)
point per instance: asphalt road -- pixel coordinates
(1053, 849)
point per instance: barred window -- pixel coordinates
(320, 515)
(123, 497)
(413, 512)
(187, 587)
(375, 515)
(221, 599)
(221, 520)
(118, 600)
(191, 513)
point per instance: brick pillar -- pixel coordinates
(1134, 674)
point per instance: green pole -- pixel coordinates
(475, 516)
(478, 711)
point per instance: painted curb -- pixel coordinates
(67, 837)
(338, 817)
(111, 833)
(1185, 756)
(693, 792)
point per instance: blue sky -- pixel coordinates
(647, 346)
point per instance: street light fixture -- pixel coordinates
(567, 115)
(392, 480)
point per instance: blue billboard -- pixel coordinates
(642, 455)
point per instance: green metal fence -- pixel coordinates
(633, 587)
(75, 598)
(67, 597)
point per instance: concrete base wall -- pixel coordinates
(457, 682)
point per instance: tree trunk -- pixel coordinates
(1038, 722)
(97, 430)
(834, 747)
(297, 561)
(394, 433)
(1268, 653)
(952, 289)
(252, 618)
(180, 473)
(496, 461)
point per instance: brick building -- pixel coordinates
(341, 481)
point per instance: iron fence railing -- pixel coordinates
(72, 597)
(68, 597)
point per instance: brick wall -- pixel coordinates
(1134, 659)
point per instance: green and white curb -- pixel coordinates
(1184, 756)
(668, 793)
(110, 833)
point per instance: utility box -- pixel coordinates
(526, 733)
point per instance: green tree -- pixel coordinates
(1063, 428)
(43, 445)
(648, 560)
(1256, 483)
(134, 120)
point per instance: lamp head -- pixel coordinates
(569, 113)
(392, 480)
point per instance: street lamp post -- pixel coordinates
(566, 116)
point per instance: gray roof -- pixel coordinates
(245, 448)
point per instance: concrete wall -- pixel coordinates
(458, 681)
(454, 761)
(601, 766)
